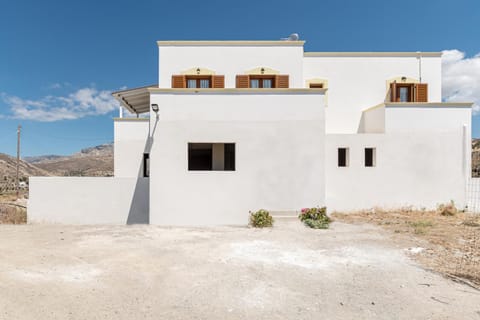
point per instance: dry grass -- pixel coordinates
(12, 215)
(451, 242)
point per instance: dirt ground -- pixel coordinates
(351, 271)
(447, 244)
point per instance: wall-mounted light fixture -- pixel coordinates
(198, 70)
(404, 79)
(262, 71)
(155, 107)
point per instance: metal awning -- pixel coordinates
(136, 100)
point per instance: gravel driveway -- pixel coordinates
(287, 272)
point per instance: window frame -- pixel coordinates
(229, 166)
(198, 78)
(261, 78)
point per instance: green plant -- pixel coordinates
(261, 219)
(447, 209)
(315, 218)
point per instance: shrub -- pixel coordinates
(261, 219)
(315, 218)
(447, 209)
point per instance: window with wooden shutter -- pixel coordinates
(421, 92)
(243, 81)
(218, 81)
(393, 92)
(282, 81)
(179, 81)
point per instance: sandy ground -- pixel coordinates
(287, 272)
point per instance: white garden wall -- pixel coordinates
(88, 200)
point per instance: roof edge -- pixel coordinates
(240, 43)
(238, 91)
(372, 54)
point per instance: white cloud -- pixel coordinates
(461, 78)
(81, 103)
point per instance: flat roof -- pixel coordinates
(135, 100)
(372, 54)
(238, 43)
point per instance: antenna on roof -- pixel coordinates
(292, 37)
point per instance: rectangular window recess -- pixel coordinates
(370, 157)
(146, 165)
(211, 156)
(343, 157)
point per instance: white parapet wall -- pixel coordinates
(88, 200)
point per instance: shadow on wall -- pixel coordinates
(139, 212)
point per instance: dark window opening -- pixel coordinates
(200, 156)
(370, 157)
(211, 157)
(343, 157)
(229, 157)
(146, 165)
(316, 85)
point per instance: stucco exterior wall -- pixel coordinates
(231, 61)
(279, 142)
(88, 200)
(130, 143)
(358, 83)
(420, 169)
(427, 119)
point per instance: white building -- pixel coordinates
(235, 126)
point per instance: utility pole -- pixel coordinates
(18, 158)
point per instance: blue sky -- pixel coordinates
(71, 54)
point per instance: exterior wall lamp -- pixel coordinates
(155, 107)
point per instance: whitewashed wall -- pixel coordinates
(279, 156)
(88, 200)
(412, 169)
(358, 83)
(231, 61)
(130, 142)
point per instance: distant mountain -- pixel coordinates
(94, 162)
(475, 157)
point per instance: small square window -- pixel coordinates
(343, 157)
(370, 157)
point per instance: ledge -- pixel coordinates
(236, 43)
(238, 91)
(132, 119)
(421, 105)
(372, 54)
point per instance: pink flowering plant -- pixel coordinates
(315, 218)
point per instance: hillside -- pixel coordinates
(8, 168)
(475, 157)
(94, 162)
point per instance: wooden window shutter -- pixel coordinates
(243, 81)
(393, 92)
(218, 81)
(421, 92)
(281, 81)
(179, 81)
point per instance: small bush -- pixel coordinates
(261, 219)
(12, 215)
(447, 209)
(315, 218)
